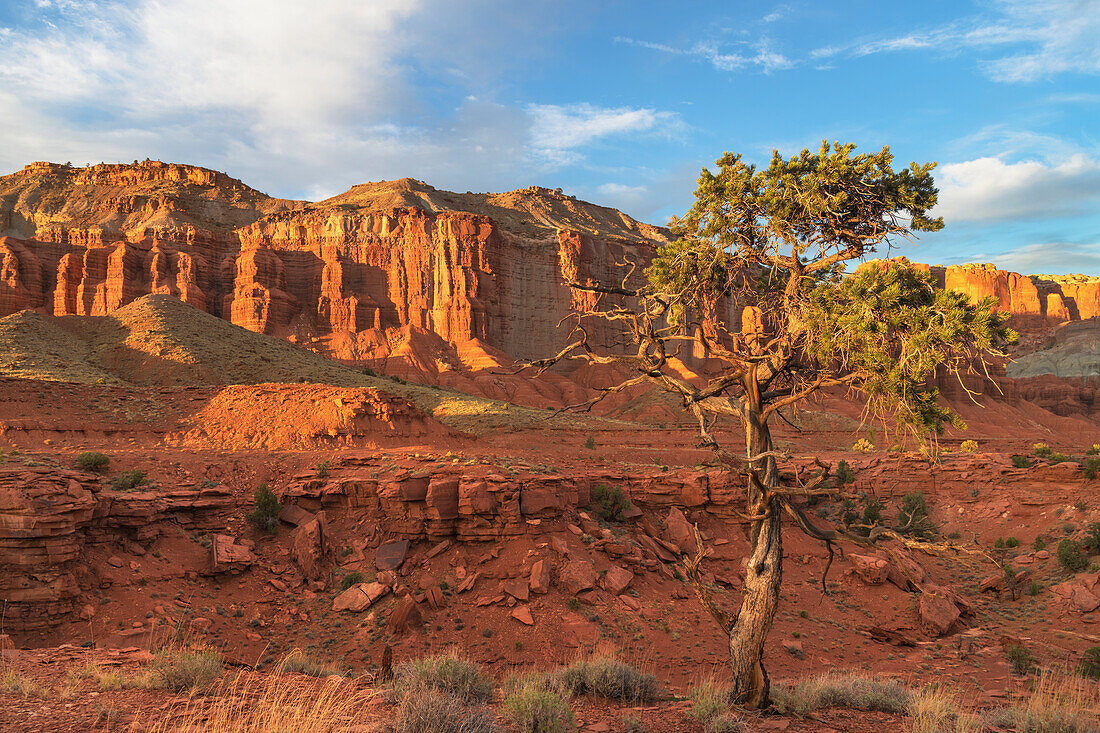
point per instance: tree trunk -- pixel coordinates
(763, 571)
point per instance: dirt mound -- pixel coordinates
(290, 416)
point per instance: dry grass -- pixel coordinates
(936, 710)
(609, 677)
(273, 704)
(446, 673)
(842, 691)
(1060, 702)
(430, 711)
(298, 662)
(13, 683)
(710, 705)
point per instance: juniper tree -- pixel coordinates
(776, 241)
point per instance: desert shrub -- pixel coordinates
(610, 678)
(934, 710)
(871, 515)
(447, 673)
(13, 683)
(128, 480)
(433, 711)
(609, 503)
(843, 691)
(1011, 542)
(1020, 659)
(535, 708)
(863, 446)
(1039, 544)
(1091, 540)
(1094, 450)
(182, 670)
(322, 469)
(1071, 556)
(1021, 462)
(1058, 458)
(1042, 449)
(1090, 663)
(265, 512)
(93, 461)
(913, 516)
(1092, 467)
(298, 662)
(969, 446)
(350, 579)
(590, 443)
(844, 473)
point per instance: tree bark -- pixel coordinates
(763, 571)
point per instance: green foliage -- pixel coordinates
(322, 469)
(844, 473)
(1021, 462)
(1020, 659)
(913, 516)
(1092, 467)
(1071, 556)
(1011, 542)
(350, 579)
(1042, 450)
(1058, 458)
(590, 443)
(446, 673)
(1092, 538)
(265, 513)
(536, 707)
(916, 330)
(128, 480)
(1090, 663)
(93, 461)
(1039, 544)
(610, 678)
(609, 503)
(1094, 450)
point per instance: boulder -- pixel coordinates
(577, 576)
(226, 556)
(405, 617)
(937, 613)
(359, 597)
(616, 580)
(539, 581)
(679, 532)
(873, 570)
(307, 547)
(523, 615)
(390, 555)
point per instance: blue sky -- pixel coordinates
(620, 103)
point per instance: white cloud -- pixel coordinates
(760, 55)
(557, 130)
(1048, 258)
(987, 189)
(299, 99)
(1027, 39)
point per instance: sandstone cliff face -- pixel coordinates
(379, 272)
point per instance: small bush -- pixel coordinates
(1054, 458)
(1090, 663)
(913, 516)
(447, 673)
(432, 711)
(265, 513)
(590, 443)
(322, 469)
(182, 671)
(863, 446)
(128, 480)
(1021, 462)
(610, 678)
(1042, 449)
(536, 709)
(1020, 659)
(609, 503)
(352, 578)
(1011, 542)
(1039, 544)
(1071, 556)
(844, 473)
(969, 446)
(843, 691)
(1092, 538)
(1094, 450)
(298, 662)
(1092, 467)
(92, 461)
